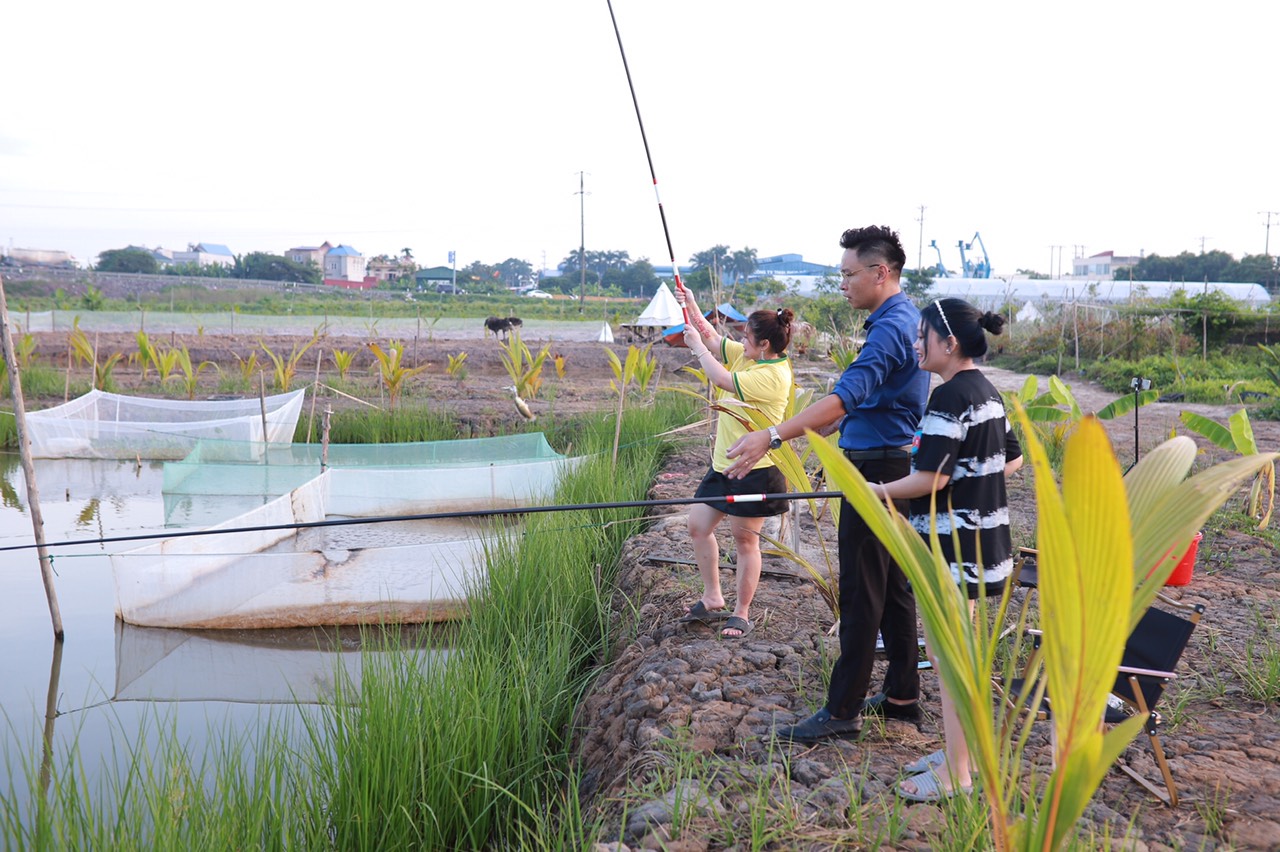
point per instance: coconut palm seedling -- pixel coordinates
(1106, 545)
(286, 368)
(392, 371)
(457, 368)
(247, 367)
(1237, 437)
(524, 368)
(165, 360)
(145, 356)
(189, 373)
(82, 351)
(342, 361)
(25, 350)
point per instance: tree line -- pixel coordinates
(1207, 266)
(607, 272)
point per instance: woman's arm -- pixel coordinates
(709, 336)
(919, 484)
(718, 374)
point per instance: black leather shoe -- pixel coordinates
(880, 705)
(820, 726)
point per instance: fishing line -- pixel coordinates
(666, 232)
(434, 516)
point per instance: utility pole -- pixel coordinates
(1267, 245)
(582, 245)
(1055, 251)
(920, 244)
(1202, 239)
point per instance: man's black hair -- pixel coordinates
(876, 241)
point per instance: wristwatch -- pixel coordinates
(775, 440)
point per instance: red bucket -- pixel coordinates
(1181, 575)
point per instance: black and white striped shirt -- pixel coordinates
(966, 435)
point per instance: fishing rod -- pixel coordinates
(666, 232)
(440, 516)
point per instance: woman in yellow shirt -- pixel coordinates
(758, 373)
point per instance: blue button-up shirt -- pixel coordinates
(884, 390)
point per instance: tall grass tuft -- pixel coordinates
(375, 426)
(473, 754)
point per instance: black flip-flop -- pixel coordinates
(699, 614)
(735, 622)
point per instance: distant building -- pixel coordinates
(1102, 265)
(162, 256)
(393, 269)
(309, 254)
(39, 257)
(433, 278)
(205, 254)
(344, 263)
(792, 270)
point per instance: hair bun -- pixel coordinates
(785, 315)
(992, 322)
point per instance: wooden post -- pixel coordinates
(315, 389)
(50, 714)
(324, 438)
(28, 469)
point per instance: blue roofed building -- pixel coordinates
(344, 263)
(792, 270)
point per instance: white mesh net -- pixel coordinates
(113, 426)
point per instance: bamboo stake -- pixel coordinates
(28, 469)
(262, 404)
(315, 388)
(50, 714)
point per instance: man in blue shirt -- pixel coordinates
(878, 402)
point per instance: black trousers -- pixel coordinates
(874, 598)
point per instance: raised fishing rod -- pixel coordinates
(440, 516)
(666, 232)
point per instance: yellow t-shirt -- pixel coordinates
(765, 385)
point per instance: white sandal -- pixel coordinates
(924, 764)
(929, 788)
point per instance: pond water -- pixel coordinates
(109, 676)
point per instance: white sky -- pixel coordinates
(1130, 126)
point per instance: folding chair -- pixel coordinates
(1150, 655)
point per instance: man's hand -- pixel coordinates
(748, 450)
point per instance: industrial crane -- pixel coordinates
(939, 270)
(977, 269)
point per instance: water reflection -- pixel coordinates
(297, 665)
(50, 715)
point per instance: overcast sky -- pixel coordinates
(1126, 126)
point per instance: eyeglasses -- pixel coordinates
(846, 275)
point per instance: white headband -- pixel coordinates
(938, 305)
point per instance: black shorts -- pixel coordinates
(762, 480)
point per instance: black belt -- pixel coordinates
(880, 454)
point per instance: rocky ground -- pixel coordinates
(679, 690)
(673, 692)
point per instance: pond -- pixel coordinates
(108, 679)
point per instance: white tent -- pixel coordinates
(1028, 313)
(663, 309)
(606, 334)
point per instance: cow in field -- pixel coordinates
(501, 326)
